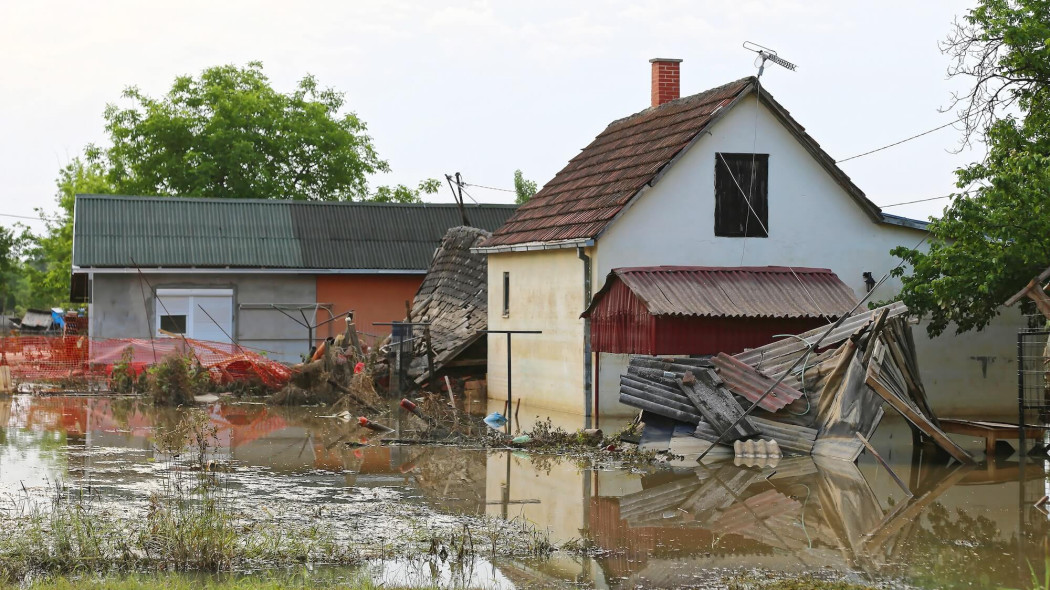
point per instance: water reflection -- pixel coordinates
(658, 527)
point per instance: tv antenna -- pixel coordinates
(766, 54)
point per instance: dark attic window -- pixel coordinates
(735, 179)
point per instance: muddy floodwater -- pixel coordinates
(659, 526)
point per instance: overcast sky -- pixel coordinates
(483, 88)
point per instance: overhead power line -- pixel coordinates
(491, 188)
(917, 201)
(896, 143)
(21, 216)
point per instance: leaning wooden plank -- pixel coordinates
(745, 381)
(877, 322)
(898, 338)
(919, 421)
(716, 405)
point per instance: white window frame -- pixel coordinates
(161, 293)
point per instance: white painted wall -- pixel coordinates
(812, 222)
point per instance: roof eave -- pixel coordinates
(905, 222)
(534, 246)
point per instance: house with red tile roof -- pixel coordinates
(723, 178)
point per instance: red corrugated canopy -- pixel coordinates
(706, 310)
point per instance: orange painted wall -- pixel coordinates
(374, 298)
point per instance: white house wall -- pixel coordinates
(812, 222)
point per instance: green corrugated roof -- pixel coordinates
(147, 232)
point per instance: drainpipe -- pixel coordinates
(587, 402)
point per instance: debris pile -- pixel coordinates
(836, 392)
(449, 313)
(338, 372)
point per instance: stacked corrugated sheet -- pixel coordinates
(833, 392)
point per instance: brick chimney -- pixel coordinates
(665, 80)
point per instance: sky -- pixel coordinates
(486, 87)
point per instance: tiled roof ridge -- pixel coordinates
(667, 106)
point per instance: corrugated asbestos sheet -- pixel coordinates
(120, 231)
(730, 292)
(595, 185)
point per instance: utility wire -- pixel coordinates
(470, 195)
(900, 142)
(21, 216)
(491, 188)
(918, 201)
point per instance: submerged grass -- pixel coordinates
(191, 523)
(187, 526)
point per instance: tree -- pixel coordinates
(524, 188)
(995, 234)
(229, 134)
(10, 268)
(48, 257)
(225, 134)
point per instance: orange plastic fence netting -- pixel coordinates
(58, 358)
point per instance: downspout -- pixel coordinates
(587, 402)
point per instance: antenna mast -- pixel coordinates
(766, 54)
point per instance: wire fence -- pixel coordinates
(60, 359)
(1033, 376)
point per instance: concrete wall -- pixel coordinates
(812, 222)
(546, 293)
(118, 309)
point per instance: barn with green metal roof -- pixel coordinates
(256, 272)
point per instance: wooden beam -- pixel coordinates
(918, 420)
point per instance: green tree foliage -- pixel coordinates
(525, 189)
(11, 279)
(229, 134)
(48, 257)
(224, 134)
(995, 234)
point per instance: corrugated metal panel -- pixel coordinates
(743, 380)
(702, 310)
(622, 324)
(757, 292)
(120, 231)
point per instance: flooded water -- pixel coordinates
(660, 526)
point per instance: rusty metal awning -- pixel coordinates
(734, 292)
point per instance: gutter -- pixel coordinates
(534, 246)
(587, 374)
